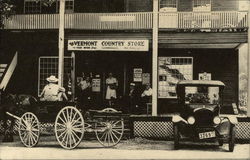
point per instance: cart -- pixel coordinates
(69, 125)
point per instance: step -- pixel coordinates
(2, 70)
(3, 65)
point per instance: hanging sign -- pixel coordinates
(205, 76)
(137, 74)
(108, 45)
(96, 85)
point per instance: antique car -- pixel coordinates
(199, 118)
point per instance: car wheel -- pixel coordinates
(220, 142)
(176, 137)
(231, 138)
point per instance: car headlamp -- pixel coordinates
(191, 120)
(216, 120)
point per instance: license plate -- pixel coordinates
(205, 135)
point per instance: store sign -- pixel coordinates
(137, 74)
(108, 45)
(205, 76)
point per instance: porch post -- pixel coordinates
(155, 58)
(61, 43)
(248, 64)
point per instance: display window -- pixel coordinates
(171, 70)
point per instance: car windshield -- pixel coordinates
(201, 94)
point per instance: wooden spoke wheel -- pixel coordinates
(109, 133)
(29, 129)
(69, 127)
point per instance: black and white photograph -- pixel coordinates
(124, 79)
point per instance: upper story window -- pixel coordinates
(32, 6)
(202, 5)
(69, 6)
(168, 5)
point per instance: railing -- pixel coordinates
(131, 21)
(203, 20)
(88, 21)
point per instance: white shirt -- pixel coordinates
(51, 92)
(148, 92)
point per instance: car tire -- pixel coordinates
(220, 142)
(231, 141)
(176, 137)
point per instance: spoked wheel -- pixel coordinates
(110, 132)
(69, 127)
(231, 141)
(29, 129)
(176, 137)
(109, 110)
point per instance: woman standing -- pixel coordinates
(112, 85)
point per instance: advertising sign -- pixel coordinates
(108, 45)
(145, 78)
(96, 85)
(137, 74)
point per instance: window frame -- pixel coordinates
(173, 7)
(188, 61)
(35, 1)
(200, 10)
(66, 10)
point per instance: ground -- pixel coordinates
(137, 148)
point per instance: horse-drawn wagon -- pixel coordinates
(70, 124)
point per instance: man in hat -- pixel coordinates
(52, 91)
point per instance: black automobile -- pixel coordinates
(199, 118)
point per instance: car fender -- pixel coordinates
(232, 118)
(177, 118)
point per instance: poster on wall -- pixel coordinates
(145, 78)
(137, 74)
(205, 76)
(96, 85)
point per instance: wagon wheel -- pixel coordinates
(110, 132)
(29, 129)
(109, 110)
(69, 127)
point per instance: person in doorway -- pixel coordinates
(112, 84)
(85, 92)
(52, 91)
(146, 96)
(133, 98)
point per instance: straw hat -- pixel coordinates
(52, 79)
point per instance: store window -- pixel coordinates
(202, 5)
(168, 5)
(69, 6)
(32, 6)
(171, 70)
